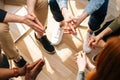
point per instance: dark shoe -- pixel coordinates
(46, 44)
(20, 63)
(4, 63)
(94, 57)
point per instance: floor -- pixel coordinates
(59, 66)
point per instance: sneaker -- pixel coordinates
(85, 45)
(20, 63)
(46, 44)
(4, 63)
(57, 35)
(94, 58)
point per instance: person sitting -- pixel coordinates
(107, 62)
(30, 71)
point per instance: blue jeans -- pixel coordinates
(98, 17)
(57, 14)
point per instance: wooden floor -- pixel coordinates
(59, 66)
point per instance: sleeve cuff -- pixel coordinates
(2, 15)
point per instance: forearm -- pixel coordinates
(82, 17)
(12, 18)
(105, 32)
(6, 73)
(64, 11)
(31, 5)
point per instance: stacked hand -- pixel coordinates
(33, 22)
(70, 27)
(93, 41)
(32, 70)
(83, 61)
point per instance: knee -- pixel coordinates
(41, 3)
(3, 28)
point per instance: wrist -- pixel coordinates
(64, 11)
(99, 37)
(15, 72)
(81, 69)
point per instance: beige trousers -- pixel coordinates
(41, 10)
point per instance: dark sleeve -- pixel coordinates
(81, 75)
(2, 15)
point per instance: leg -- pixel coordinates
(7, 41)
(56, 11)
(8, 45)
(94, 23)
(97, 17)
(57, 14)
(15, 2)
(41, 11)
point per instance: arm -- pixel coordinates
(115, 25)
(31, 6)
(81, 75)
(68, 17)
(14, 72)
(92, 6)
(29, 20)
(81, 61)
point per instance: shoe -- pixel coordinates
(85, 45)
(94, 58)
(20, 63)
(57, 35)
(4, 63)
(46, 44)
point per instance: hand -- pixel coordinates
(37, 21)
(34, 69)
(33, 22)
(22, 70)
(93, 41)
(69, 23)
(76, 21)
(81, 60)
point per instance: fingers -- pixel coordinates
(30, 66)
(34, 23)
(41, 26)
(81, 54)
(92, 43)
(38, 67)
(71, 24)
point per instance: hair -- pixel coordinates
(108, 62)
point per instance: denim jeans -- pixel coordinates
(98, 17)
(54, 7)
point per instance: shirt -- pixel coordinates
(62, 3)
(93, 5)
(115, 25)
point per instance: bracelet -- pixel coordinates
(16, 73)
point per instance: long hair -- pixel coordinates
(108, 62)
